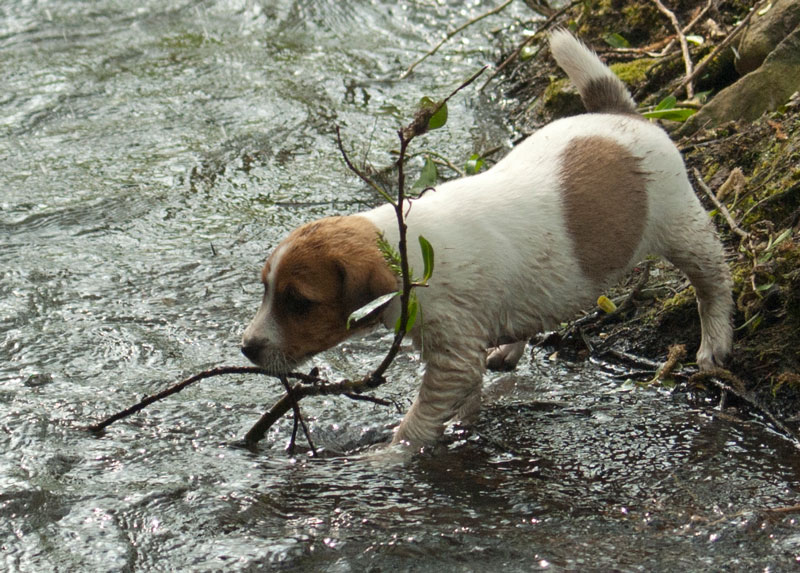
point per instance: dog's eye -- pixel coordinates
(297, 303)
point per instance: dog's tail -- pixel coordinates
(601, 90)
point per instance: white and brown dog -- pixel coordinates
(518, 248)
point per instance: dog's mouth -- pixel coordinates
(272, 361)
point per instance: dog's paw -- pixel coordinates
(715, 350)
(505, 357)
(710, 359)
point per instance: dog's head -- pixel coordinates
(313, 281)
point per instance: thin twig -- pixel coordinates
(458, 30)
(687, 60)
(780, 196)
(639, 361)
(444, 161)
(529, 40)
(700, 68)
(366, 398)
(417, 127)
(310, 384)
(727, 382)
(361, 175)
(786, 509)
(627, 302)
(720, 207)
(676, 353)
(147, 400)
(686, 29)
(309, 387)
(298, 417)
(275, 413)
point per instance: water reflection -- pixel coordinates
(152, 153)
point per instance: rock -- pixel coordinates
(762, 90)
(765, 32)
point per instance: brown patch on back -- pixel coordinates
(605, 204)
(327, 270)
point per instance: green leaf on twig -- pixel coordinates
(666, 103)
(427, 177)
(666, 110)
(413, 309)
(369, 308)
(770, 249)
(474, 164)
(427, 259)
(438, 118)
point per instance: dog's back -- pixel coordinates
(567, 212)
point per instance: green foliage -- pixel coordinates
(427, 177)
(427, 259)
(474, 164)
(666, 110)
(369, 308)
(438, 117)
(390, 255)
(616, 41)
(413, 311)
(392, 258)
(769, 251)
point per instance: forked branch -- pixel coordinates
(311, 384)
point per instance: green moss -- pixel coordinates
(684, 297)
(711, 167)
(635, 72)
(555, 89)
(640, 16)
(560, 99)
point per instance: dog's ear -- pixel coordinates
(365, 279)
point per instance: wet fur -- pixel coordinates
(519, 248)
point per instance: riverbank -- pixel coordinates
(745, 166)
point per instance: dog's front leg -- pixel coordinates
(451, 384)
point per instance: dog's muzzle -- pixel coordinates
(252, 352)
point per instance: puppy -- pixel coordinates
(519, 248)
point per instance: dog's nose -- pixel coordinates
(251, 351)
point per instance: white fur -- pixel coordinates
(264, 327)
(506, 265)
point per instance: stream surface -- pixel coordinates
(151, 155)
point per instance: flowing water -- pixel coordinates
(151, 154)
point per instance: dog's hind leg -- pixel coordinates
(505, 356)
(694, 248)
